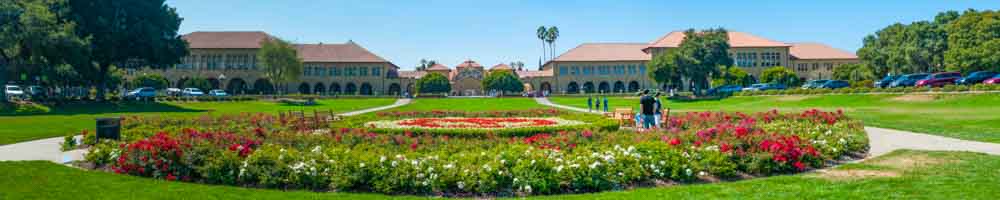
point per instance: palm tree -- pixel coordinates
(551, 37)
(542, 34)
(423, 65)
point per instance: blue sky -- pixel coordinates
(501, 31)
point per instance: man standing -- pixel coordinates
(606, 104)
(598, 102)
(590, 103)
(647, 103)
(657, 107)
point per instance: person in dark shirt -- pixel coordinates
(605, 103)
(648, 104)
(590, 103)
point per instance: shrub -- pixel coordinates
(23, 108)
(69, 143)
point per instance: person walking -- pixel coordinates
(606, 104)
(657, 112)
(590, 103)
(598, 102)
(647, 106)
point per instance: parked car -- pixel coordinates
(994, 80)
(975, 78)
(764, 87)
(835, 84)
(174, 92)
(35, 92)
(886, 81)
(141, 93)
(908, 80)
(13, 91)
(192, 92)
(814, 84)
(939, 79)
(725, 89)
(217, 93)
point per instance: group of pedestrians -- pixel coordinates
(650, 110)
(590, 104)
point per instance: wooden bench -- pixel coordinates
(625, 117)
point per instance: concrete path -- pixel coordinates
(883, 140)
(44, 149)
(398, 103)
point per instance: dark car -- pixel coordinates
(994, 80)
(886, 81)
(835, 84)
(975, 78)
(725, 89)
(141, 93)
(908, 80)
(814, 84)
(939, 79)
(764, 87)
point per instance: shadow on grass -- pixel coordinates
(111, 107)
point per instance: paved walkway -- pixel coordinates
(398, 103)
(883, 140)
(48, 149)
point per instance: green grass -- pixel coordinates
(471, 104)
(73, 118)
(952, 175)
(964, 116)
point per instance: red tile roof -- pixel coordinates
(412, 74)
(501, 66)
(438, 67)
(530, 74)
(225, 39)
(736, 39)
(469, 63)
(818, 51)
(605, 52)
(347, 52)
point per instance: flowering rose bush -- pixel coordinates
(263, 152)
(447, 113)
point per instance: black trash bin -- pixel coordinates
(109, 128)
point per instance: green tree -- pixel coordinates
(735, 76)
(280, 62)
(433, 83)
(126, 34)
(704, 53)
(974, 42)
(853, 73)
(550, 37)
(504, 81)
(908, 48)
(666, 68)
(197, 82)
(781, 75)
(150, 80)
(542, 33)
(35, 40)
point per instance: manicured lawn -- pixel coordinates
(471, 104)
(899, 175)
(71, 119)
(963, 116)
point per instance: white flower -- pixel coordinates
(702, 173)
(381, 159)
(362, 165)
(503, 161)
(461, 185)
(399, 156)
(394, 163)
(414, 162)
(621, 174)
(527, 188)
(515, 180)
(663, 162)
(449, 166)
(688, 172)
(574, 165)
(559, 168)
(532, 162)
(315, 149)
(594, 165)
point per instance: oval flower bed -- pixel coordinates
(258, 151)
(466, 126)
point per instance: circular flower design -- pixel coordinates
(472, 123)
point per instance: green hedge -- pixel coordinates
(865, 90)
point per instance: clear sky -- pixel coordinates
(501, 31)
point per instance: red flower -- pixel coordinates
(413, 147)
(587, 134)
(799, 165)
(675, 142)
(171, 177)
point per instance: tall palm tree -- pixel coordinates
(551, 35)
(542, 34)
(423, 64)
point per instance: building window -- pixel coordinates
(334, 71)
(815, 66)
(802, 67)
(642, 68)
(376, 71)
(586, 71)
(829, 66)
(631, 69)
(576, 70)
(562, 70)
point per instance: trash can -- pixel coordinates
(109, 128)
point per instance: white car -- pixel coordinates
(13, 91)
(192, 92)
(217, 93)
(174, 92)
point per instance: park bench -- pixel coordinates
(625, 117)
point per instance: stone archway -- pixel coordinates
(633, 86)
(304, 88)
(236, 86)
(351, 89)
(263, 86)
(409, 88)
(604, 87)
(572, 88)
(366, 89)
(334, 88)
(215, 83)
(319, 88)
(546, 87)
(588, 87)
(619, 87)
(180, 82)
(394, 89)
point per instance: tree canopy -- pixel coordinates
(974, 42)
(150, 80)
(735, 76)
(433, 83)
(503, 80)
(781, 75)
(280, 61)
(698, 57)
(853, 73)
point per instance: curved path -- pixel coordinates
(48, 149)
(882, 140)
